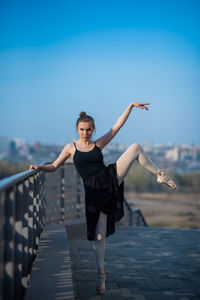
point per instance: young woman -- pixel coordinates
(104, 185)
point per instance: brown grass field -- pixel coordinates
(167, 209)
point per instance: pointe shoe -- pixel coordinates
(164, 178)
(100, 285)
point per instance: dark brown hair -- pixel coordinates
(83, 117)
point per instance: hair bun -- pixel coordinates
(83, 113)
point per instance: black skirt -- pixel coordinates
(102, 193)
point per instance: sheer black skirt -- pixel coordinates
(102, 193)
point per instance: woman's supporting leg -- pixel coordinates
(99, 248)
(134, 152)
(99, 242)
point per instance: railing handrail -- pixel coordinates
(138, 210)
(13, 179)
(127, 204)
(133, 211)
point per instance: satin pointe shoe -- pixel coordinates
(100, 285)
(165, 179)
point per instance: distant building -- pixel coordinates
(4, 143)
(12, 148)
(173, 154)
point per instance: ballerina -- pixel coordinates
(104, 185)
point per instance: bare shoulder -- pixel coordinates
(69, 147)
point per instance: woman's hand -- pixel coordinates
(36, 167)
(141, 105)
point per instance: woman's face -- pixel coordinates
(85, 130)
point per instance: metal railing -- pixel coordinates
(24, 211)
(28, 201)
(22, 206)
(132, 217)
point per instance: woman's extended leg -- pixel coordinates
(136, 152)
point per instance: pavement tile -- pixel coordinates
(135, 291)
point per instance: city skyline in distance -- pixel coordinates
(180, 158)
(146, 143)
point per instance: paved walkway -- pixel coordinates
(141, 263)
(51, 276)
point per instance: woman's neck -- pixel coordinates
(85, 142)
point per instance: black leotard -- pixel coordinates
(90, 162)
(102, 192)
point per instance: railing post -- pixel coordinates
(34, 218)
(18, 289)
(78, 197)
(62, 196)
(132, 217)
(39, 202)
(25, 233)
(2, 241)
(138, 219)
(8, 291)
(30, 225)
(43, 182)
(37, 209)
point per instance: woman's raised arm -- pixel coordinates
(65, 153)
(105, 139)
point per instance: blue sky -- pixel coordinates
(59, 58)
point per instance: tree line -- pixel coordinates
(7, 168)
